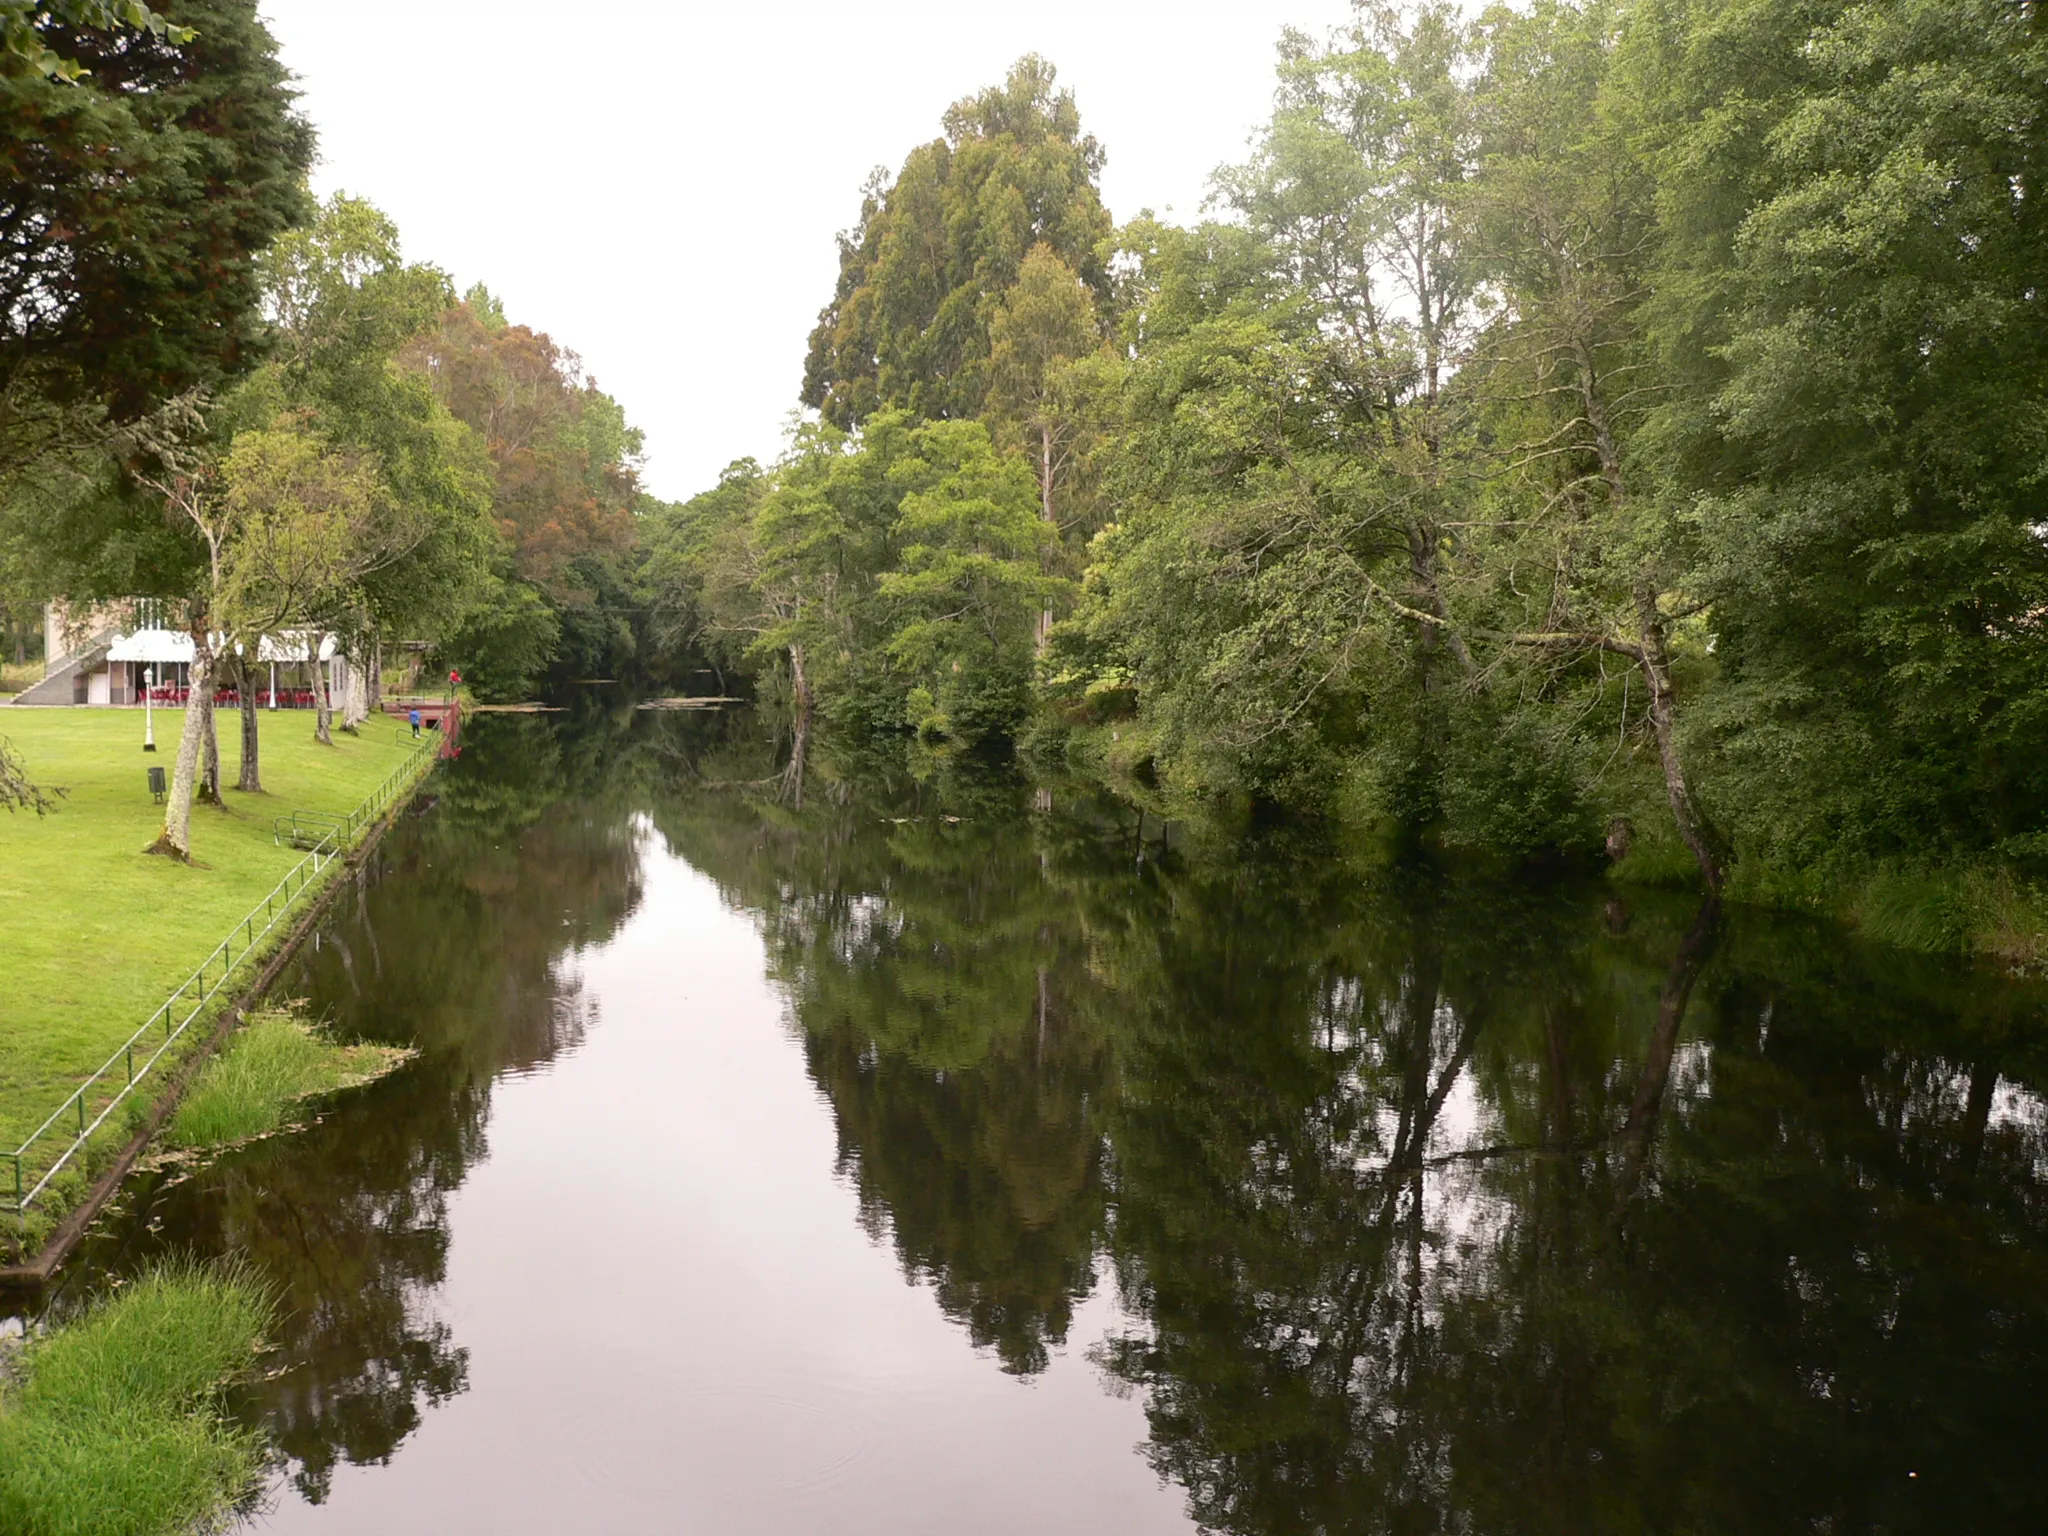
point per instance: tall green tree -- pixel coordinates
(347, 307)
(969, 584)
(1850, 297)
(1287, 472)
(1571, 557)
(565, 489)
(936, 250)
(304, 527)
(139, 183)
(1041, 391)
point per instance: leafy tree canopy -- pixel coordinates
(935, 251)
(135, 201)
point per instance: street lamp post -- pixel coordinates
(149, 710)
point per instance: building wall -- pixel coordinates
(66, 629)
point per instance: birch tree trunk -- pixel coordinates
(323, 703)
(355, 708)
(1656, 669)
(209, 776)
(376, 664)
(176, 838)
(251, 780)
(800, 685)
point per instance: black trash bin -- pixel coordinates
(156, 784)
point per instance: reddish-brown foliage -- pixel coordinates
(561, 453)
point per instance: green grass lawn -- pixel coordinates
(96, 932)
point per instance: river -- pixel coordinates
(950, 1153)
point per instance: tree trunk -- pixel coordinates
(1656, 669)
(376, 695)
(251, 781)
(355, 707)
(176, 838)
(800, 686)
(209, 778)
(1045, 512)
(323, 704)
(1654, 656)
(1422, 570)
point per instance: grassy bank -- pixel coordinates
(275, 1061)
(111, 1425)
(99, 932)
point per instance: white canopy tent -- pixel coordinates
(156, 647)
(160, 647)
(164, 657)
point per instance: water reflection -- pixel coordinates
(1417, 1204)
(1410, 1257)
(942, 989)
(458, 940)
(1435, 1206)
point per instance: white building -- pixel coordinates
(111, 654)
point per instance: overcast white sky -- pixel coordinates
(657, 184)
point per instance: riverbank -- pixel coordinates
(112, 1421)
(84, 875)
(1978, 906)
(106, 931)
(275, 1062)
(937, 1065)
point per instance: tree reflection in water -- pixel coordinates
(1437, 1205)
(1370, 1304)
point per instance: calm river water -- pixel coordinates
(943, 1156)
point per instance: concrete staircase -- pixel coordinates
(60, 686)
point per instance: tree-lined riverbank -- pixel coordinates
(1585, 431)
(1246, 879)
